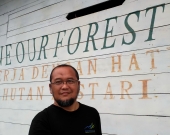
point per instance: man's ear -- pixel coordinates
(50, 89)
(79, 85)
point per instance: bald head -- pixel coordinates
(64, 65)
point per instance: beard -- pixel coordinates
(68, 102)
(65, 103)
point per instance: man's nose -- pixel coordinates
(65, 85)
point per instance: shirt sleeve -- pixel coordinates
(39, 126)
(98, 123)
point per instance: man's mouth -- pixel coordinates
(65, 93)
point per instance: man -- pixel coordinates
(66, 116)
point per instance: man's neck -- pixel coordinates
(71, 108)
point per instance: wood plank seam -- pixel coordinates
(131, 94)
(25, 8)
(17, 8)
(6, 3)
(37, 9)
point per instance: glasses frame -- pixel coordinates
(65, 82)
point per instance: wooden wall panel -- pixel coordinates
(3, 19)
(36, 26)
(119, 28)
(129, 1)
(50, 12)
(113, 124)
(138, 44)
(79, 4)
(8, 128)
(128, 83)
(112, 95)
(104, 66)
(3, 40)
(40, 4)
(101, 16)
(141, 125)
(3, 29)
(13, 5)
(4, 2)
(17, 116)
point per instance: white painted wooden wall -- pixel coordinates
(118, 95)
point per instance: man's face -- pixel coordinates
(64, 94)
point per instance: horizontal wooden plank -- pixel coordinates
(34, 103)
(17, 116)
(3, 29)
(3, 40)
(153, 106)
(95, 18)
(3, 2)
(13, 5)
(9, 129)
(130, 125)
(37, 5)
(32, 3)
(49, 12)
(37, 25)
(3, 19)
(129, 1)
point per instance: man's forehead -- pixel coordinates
(58, 69)
(64, 70)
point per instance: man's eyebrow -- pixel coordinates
(70, 78)
(57, 79)
(62, 79)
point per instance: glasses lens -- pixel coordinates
(70, 81)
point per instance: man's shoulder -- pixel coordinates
(88, 108)
(44, 113)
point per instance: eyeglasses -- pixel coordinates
(68, 82)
